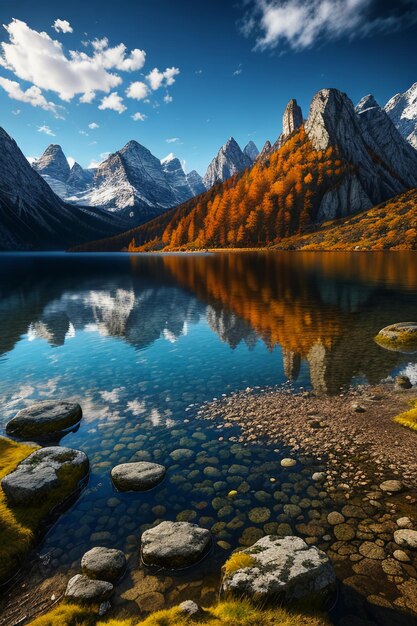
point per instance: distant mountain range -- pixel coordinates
(133, 183)
(341, 161)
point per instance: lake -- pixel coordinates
(140, 341)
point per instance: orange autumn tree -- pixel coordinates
(272, 200)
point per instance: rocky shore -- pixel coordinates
(367, 482)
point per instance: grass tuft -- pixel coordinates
(409, 418)
(235, 613)
(238, 561)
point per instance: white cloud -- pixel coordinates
(303, 23)
(16, 111)
(45, 129)
(36, 57)
(31, 159)
(168, 98)
(33, 95)
(93, 126)
(172, 140)
(158, 79)
(62, 26)
(83, 132)
(93, 165)
(138, 117)
(238, 70)
(114, 102)
(198, 72)
(137, 90)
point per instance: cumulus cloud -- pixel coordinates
(33, 95)
(137, 90)
(168, 98)
(45, 129)
(62, 26)
(93, 126)
(158, 79)
(83, 132)
(303, 23)
(172, 140)
(114, 102)
(138, 117)
(37, 58)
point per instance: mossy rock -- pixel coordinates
(401, 337)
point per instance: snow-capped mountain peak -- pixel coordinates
(402, 109)
(229, 161)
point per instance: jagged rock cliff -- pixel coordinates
(251, 151)
(229, 161)
(333, 122)
(196, 182)
(402, 109)
(53, 163)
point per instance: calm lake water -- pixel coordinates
(141, 340)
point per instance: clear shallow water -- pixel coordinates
(139, 341)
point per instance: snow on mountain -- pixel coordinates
(32, 216)
(402, 109)
(131, 182)
(53, 163)
(251, 151)
(196, 182)
(177, 179)
(229, 161)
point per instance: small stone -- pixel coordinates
(259, 514)
(181, 454)
(404, 522)
(392, 486)
(358, 408)
(191, 609)
(174, 545)
(402, 556)
(103, 564)
(139, 476)
(319, 477)
(85, 590)
(371, 551)
(402, 382)
(344, 532)
(288, 462)
(334, 518)
(406, 538)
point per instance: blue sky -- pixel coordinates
(222, 68)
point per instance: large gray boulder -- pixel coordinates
(84, 590)
(175, 545)
(44, 418)
(52, 471)
(137, 476)
(103, 564)
(282, 569)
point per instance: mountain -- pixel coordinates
(53, 164)
(333, 122)
(386, 141)
(251, 151)
(32, 216)
(229, 161)
(131, 182)
(196, 182)
(389, 226)
(402, 109)
(334, 165)
(177, 179)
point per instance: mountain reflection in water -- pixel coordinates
(320, 309)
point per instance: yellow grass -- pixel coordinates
(409, 418)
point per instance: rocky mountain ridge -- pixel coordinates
(402, 109)
(32, 216)
(229, 160)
